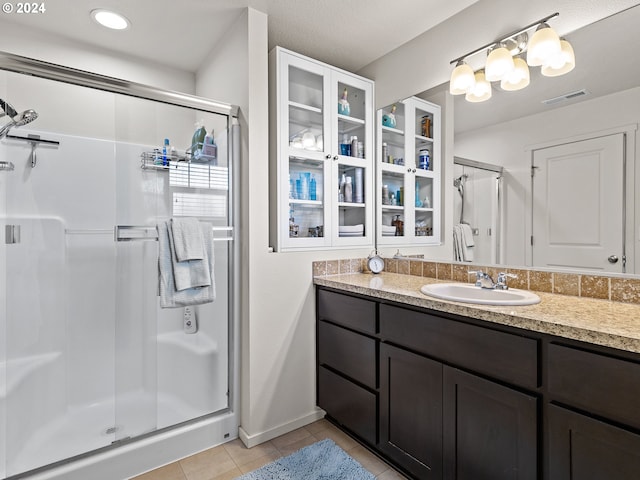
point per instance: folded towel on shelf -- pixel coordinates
(187, 239)
(170, 297)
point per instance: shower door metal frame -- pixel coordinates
(38, 68)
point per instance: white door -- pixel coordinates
(577, 205)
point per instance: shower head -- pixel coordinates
(23, 118)
(7, 109)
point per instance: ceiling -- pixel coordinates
(346, 33)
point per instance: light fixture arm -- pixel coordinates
(506, 37)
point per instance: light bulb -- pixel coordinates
(499, 63)
(481, 91)
(560, 63)
(462, 79)
(518, 78)
(110, 19)
(543, 45)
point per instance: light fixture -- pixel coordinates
(544, 44)
(481, 91)
(561, 63)
(518, 78)
(499, 63)
(505, 62)
(462, 79)
(110, 19)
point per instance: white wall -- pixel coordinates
(14, 39)
(505, 144)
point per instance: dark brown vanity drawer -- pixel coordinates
(500, 355)
(351, 312)
(351, 405)
(596, 383)
(348, 352)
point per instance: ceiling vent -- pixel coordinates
(565, 97)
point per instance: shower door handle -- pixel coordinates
(12, 234)
(613, 259)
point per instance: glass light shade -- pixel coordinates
(543, 45)
(481, 90)
(499, 63)
(462, 79)
(561, 63)
(518, 78)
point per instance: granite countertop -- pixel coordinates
(601, 322)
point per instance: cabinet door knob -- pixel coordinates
(327, 156)
(413, 171)
(408, 170)
(335, 157)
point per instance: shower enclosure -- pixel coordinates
(478, 203)
(89, 362)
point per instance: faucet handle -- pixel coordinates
(502, 280)
(479, 276)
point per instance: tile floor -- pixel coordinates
(230, 460)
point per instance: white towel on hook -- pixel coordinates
(187, 239)
(169, 296)
(462, 252)
(467, 234)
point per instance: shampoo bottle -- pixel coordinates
(197, 141)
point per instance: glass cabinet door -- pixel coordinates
(304, 143)
(352, 142)
(393, 171)
(409, 173)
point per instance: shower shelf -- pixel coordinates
(147, 161)
(6, 166)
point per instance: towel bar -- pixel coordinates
(131, 233)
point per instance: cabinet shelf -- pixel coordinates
(307, 108)
(306, 203)
(351, 205)
(353, 120)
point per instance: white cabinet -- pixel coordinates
(308, 160)
(408, 189)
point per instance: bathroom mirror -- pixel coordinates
(599, 98)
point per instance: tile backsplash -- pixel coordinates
(578, 285)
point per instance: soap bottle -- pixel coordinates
(343, 104)
(348, 191)
(343, 182)
(312, 188)
(166, 152)
(197, 141)
(354, 146)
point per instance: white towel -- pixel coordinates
(467, 234)
(169, 296)
(187, 239)
(190, 273)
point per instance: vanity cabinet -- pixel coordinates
(310, 209)
(408, 185)
(593, 419)
(347, 371)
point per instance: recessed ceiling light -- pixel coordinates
(110, 19)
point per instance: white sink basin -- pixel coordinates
(460, 292)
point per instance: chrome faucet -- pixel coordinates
(484, 280)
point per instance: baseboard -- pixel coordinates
(258, 438)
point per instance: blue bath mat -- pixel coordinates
(321, 461)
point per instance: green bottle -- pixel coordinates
(198, 140)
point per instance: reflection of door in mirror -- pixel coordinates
(476, 202)
(580, 227)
